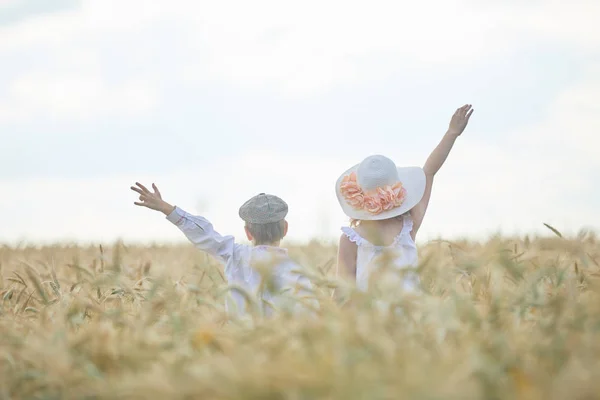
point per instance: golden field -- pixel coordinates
(503, 319)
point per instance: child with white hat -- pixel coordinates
(265, 226)
(386, 205)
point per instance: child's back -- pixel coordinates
(262, 270)
(247, 266)
(387, 241)
(387, 205)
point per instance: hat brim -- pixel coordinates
(413, 180)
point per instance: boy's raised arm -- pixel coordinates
(436, 159)
(198, 230)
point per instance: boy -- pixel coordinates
(265, 226)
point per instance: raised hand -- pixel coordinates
(152, 200)
(460, 119)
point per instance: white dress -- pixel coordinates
(403, 252)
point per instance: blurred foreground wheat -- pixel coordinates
(506, 319)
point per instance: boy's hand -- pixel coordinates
(152, 200)
(460, 119)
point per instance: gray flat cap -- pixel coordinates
(263, 209)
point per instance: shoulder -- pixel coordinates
(242, 250)
(344, 238)
(350, 236)
(345, 242)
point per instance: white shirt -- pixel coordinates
(238, 259)
(404, 253)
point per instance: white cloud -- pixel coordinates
(296, 49)
(103, 59)
(309, 47)
(575, 120)
(573, 23)
(74, 97)
(483, 187)
(102, 209)
(540, 173)
(72, 83)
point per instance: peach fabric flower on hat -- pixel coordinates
(375, 202)
(352, 192)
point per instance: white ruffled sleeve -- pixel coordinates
(352, 235)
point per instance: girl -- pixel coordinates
(386, 206)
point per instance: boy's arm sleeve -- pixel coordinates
(201, 233)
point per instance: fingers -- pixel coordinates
(465, 109)
(143, 187)
(143, 197)
(156, 190)
(137, 190)
(469, 113)
(462, 111)
(146, 198)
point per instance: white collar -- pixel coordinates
(271, 249)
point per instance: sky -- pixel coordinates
(216, 101)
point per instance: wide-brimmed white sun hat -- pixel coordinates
(376, 189)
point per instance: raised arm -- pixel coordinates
(436, 159)
(198, 230)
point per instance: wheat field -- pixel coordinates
(506, 318)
